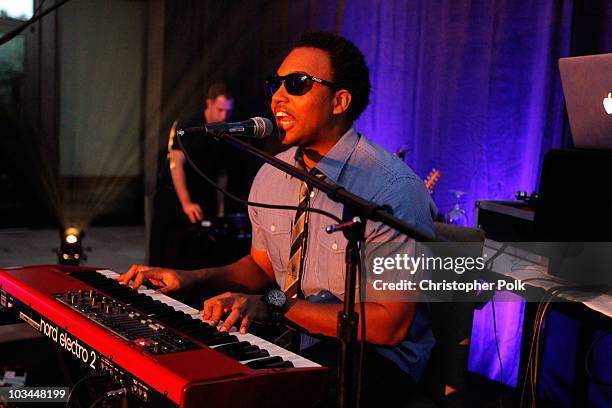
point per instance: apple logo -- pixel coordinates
(607, 102)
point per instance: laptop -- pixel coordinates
(587, 86)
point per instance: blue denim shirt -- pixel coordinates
(368, 170)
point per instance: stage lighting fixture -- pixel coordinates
(70, 251)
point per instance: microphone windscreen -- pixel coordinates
(263, 127)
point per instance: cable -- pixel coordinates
(531, 350)
(534, 350)
(109, 394)
(501, 367)
(81, 381)
(532, 369)
(362, 317)
(539, 325)
(499, 358)
(488, 266)
(534, 355)
(497, 253)
(587, 358)
(245, 202)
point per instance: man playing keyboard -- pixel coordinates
(319, 90)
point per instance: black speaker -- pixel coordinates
(574, 204)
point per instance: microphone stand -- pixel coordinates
(354, 231)
(348, 321)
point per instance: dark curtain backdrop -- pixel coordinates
(469, 87)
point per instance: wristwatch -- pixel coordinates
(276, 300)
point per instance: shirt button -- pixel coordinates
(312, 194)
(334, 246)
(272, 227)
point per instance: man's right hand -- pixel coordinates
(193, 211)
(169, 279)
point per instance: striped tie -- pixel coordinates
(299, 235)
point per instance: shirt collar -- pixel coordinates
(334, 161)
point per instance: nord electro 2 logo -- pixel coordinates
(61, 337)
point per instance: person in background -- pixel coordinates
(182, 198)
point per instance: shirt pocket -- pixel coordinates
(276, 225)
(330, 261)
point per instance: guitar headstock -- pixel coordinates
(432, 179)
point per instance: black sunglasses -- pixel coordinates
(295, 83)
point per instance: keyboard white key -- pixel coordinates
(273, 349)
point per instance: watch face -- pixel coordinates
(276, 298)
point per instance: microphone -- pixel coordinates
(256, 127)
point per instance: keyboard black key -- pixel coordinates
(217, 339)
(264, 362)
(228, 348)
(283, 364)
(166, 315)
(249, 353)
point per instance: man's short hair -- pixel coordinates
(349, 68)
(218, 89)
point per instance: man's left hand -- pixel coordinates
(237, 307)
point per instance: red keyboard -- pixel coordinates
(154, 346)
